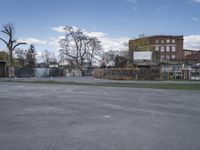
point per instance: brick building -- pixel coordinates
(165, 48)
(187, 52)
(192, 57)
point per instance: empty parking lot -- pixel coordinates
(68, 117)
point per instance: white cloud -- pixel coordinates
(61, 29)
(39, 54)
(108, 43)
(113, 43)
(33, 41)
(95, 34)
(58, 29)
(192, 42)
(52, 43)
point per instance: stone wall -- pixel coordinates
(127, 74)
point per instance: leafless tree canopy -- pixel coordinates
(78, 48)
(20, 53)
(111, 55)
(11, 42)
(48, 56)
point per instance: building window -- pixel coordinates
(173, 41)
(173, 56)
(162, 41)
(157, 41)
(168, 41)
(173, 48)
(162, 48)
(167, 57)
(157, 48)
(168, 48)
(162, 57)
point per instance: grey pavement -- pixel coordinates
(66, 117)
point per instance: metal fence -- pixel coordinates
(38, 72)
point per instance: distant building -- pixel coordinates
(164, 48)
(187, 52)
(192, 56)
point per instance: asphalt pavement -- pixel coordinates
(68, 117)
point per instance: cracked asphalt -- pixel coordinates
(67, 117)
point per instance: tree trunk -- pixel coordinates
(11, 60)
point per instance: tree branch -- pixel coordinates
(4, 41)
(18, 45)
(5, 32)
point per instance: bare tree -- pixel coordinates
(48, 56)
(11, 43)
(77, 48)
(94, 50)
(20, 53)
(26, 57)
(72, 46)
(110, 56)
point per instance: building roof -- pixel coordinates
(159, 36)
(165, 36)
(189, 50)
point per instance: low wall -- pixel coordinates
(127, 74)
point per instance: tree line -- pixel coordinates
(77, 49)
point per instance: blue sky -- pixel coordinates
(112, 21)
